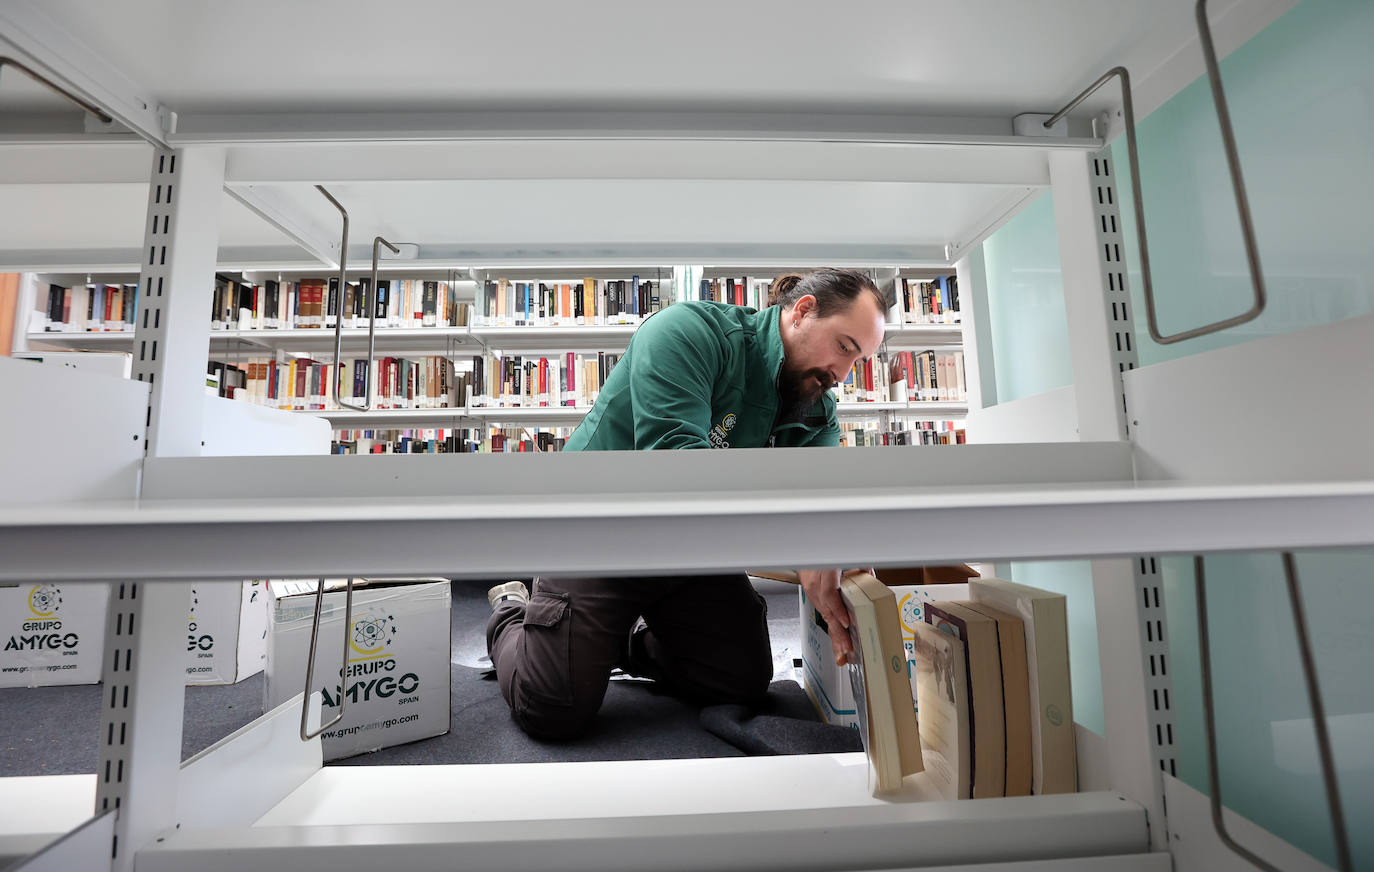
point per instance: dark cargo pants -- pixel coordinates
(705, 638)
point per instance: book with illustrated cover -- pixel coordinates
(1053, 756)
(942, 697)
(882, 691)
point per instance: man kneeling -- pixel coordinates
(695, 375)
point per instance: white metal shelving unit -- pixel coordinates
(727, 187)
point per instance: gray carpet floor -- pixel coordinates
(53, 730)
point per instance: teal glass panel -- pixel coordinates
(1074, 579)
(1301, 97)
(1266, 746)
(1030, 332)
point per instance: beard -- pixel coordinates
(799, 389)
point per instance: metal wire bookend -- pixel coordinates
(306, 734)
(43, 80)
(1237, 183)
(1309, 669)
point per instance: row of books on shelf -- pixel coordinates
(93, 308)
(861, 435)
(525, 381)
(993, 700)
(746, 291)
(934, 301)
(906, 376)
(301, 383)
(409, 303)
(461, 440)
(310, 303)
(587, 301)
(421, 382)
(529, 381)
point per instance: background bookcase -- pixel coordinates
(460, 344)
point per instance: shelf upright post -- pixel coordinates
(145, 674)
(1127, 592)
(980, 385)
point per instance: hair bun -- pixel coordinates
(781, 286)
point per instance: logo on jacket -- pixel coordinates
(722, 430)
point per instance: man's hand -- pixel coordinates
(822, 587)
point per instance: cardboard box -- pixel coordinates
(892, 576)
(226, 632)
(827, 684)
(397, 681)
(911, 576)
(53, 634)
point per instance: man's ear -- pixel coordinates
(806, 305)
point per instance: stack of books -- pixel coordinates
(993, 699)
(993, 691)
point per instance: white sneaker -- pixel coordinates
(511, 590)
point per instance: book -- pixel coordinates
(882, 690)
(331, 310)
(273, 292)
(983, 666)
(383, 301)
(429, 306)
(942, 697)
(1016, 707)
(1053, 760)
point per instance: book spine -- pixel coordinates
(429, 307)
(331, 312)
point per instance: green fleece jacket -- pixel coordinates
(701, 375)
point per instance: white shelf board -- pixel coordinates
(972, 80)
(39, 809)
(319, 340)
(569, 416)
(610, 337)
(110, 340)
(616, 815)
(915, 337)
(925, 411)
(485, 515)
(459, 416)
(387, 419)
(548, 416)
(258, 343)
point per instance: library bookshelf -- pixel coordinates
(481, 338)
